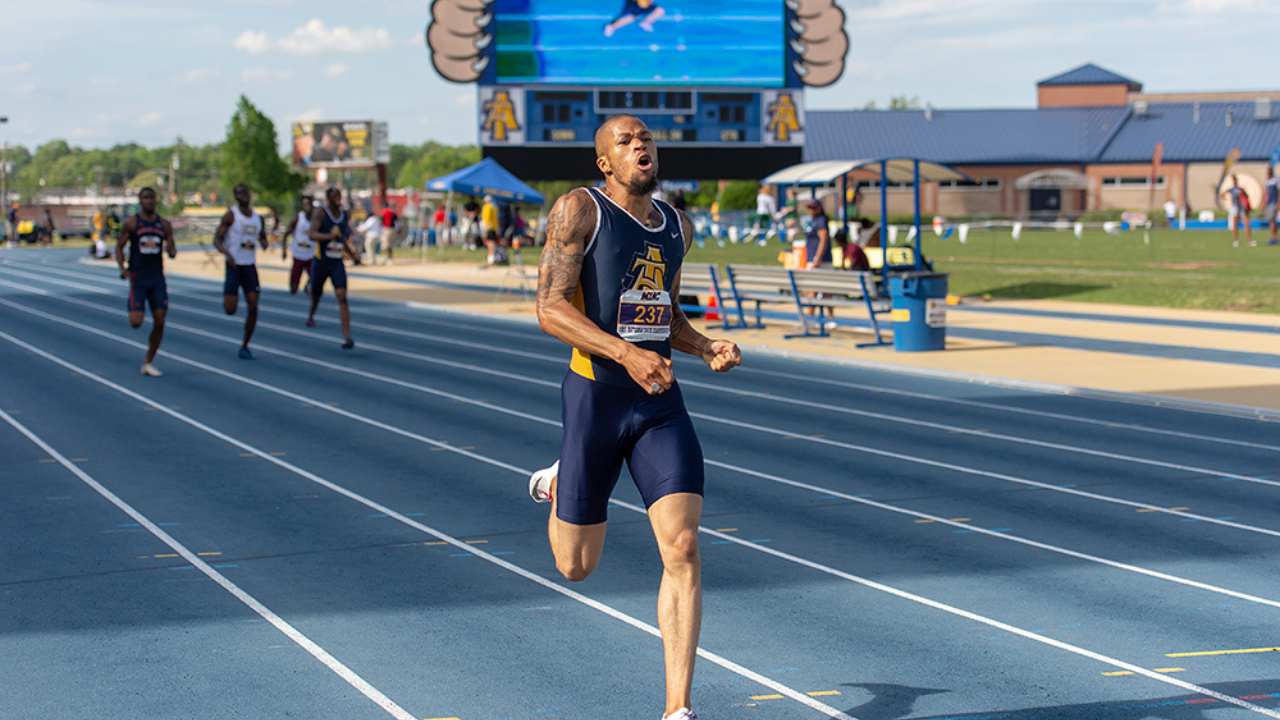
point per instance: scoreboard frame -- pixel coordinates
(546, 132)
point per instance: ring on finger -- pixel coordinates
(655, 388)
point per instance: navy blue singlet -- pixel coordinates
(146, 247)
(330, 251)
(627, 272)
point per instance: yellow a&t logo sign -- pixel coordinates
(782, 118)
(652, 269)
(500, 116)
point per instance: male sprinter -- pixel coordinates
(299, 234)
(147, 234)
(332, 233)
(649, 13)
(606, 283)
(245, 227)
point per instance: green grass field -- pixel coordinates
(1196, 269)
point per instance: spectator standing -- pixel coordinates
(489, 228)
(1238, 212)
(11, 229)
(470, 229)
(1270, 205)
(438, 222)
(371, 230)
(48, 228)
(1170, 211)
(390, 220)
(678, 201)
(817, 237)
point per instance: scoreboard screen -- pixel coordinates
(537, 126)
(724, 43)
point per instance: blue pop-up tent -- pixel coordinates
(487, 177)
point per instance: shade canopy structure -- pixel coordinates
(487, 177)
(889, 170)
(893, 169)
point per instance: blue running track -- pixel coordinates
(332, 534)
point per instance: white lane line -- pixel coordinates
(895, 418)
(815, 488)
(986, 473)
(1155, 509)
(791, 558)
(1109, 424)
(583, 599)
(1036, 637)
(953, 429)
(1000, 535)
(263, 611)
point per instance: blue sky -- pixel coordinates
(99, 72)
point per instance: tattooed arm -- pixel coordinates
(721, 355)
(569, 226)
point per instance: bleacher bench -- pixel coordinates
(805, 290)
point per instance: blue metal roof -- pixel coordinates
(1186, 140)
(1090, 74)
(1043, 136)
(963, 137)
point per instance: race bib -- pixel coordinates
(644, 315)
(333, 251)
(149, 245)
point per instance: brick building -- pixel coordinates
(1090, 144)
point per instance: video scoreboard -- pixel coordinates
(719, 82)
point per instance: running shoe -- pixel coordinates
(682, 714)
(150, 370)
(311, 322)
(540, 483)
(348, 344)
(245, 354)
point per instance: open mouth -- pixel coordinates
(644, 162)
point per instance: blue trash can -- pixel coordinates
(919, 310)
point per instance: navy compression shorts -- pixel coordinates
(605, 425)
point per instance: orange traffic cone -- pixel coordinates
(713, 308)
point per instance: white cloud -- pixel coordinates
(25, 89)
(150, 118)
(20, 68)
(336, 69)
(253, 42)
(314, 38)
(312, 115)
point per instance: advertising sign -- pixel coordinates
(341, 143)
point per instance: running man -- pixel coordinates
(237, 237)
(304, 251)
(632, 9)
(606, 281)
(147, 235)
(332, 234)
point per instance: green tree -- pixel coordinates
(739, 195)
(249, 156)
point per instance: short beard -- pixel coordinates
(638, 186)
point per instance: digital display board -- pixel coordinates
(340, 143)
(717, 43)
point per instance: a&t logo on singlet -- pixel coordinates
(782, 117)
(500, 117)
(650, 270)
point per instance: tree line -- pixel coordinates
(250, 154)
